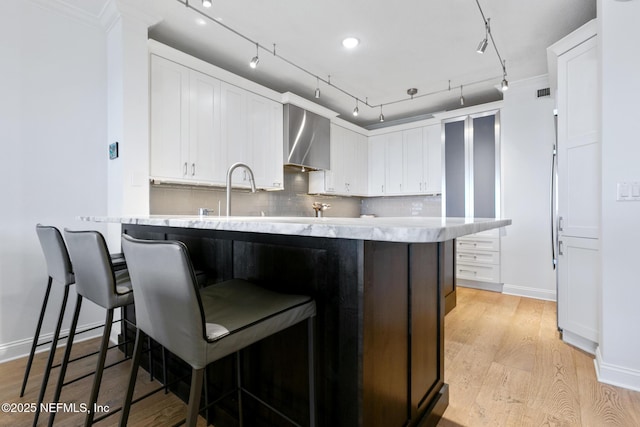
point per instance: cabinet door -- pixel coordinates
(265, 141)
(169, 148)
(579, 286)
(412, 161)
(207, 154)
(234, 130)
(432, 161)
(377, 148)
(394, 163)
(484, 166)
(578, 143)
(360, 180)
(335, 180)
(455, 169)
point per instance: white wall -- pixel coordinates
(54, 154)
(618, 357)
(527, 141)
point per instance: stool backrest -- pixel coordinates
(168, 305)
(55, 254)
(92, 267)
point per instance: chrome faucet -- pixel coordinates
(229, 173)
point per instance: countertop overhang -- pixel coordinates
(390, 229)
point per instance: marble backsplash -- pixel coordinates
(166, 199)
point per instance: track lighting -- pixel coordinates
(485, 42)
(207, 3)
(505, 83)
(381, 115)
(317, 87)
(255, 60)
(461, 97)
(355, 110)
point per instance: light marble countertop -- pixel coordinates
(395, 229)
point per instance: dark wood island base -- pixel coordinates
(379, 327)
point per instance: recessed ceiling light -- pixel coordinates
(350, 42)
(201, 21)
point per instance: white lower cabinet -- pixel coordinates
(478, 257)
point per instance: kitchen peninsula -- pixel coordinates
(378, 285)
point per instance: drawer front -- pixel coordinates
(478, 257)
(483, 273)
(487, 244)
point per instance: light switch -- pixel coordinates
(635, 190)
(623, 191)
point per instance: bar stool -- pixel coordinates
(59, 270)
(97, 281)
(203, 325)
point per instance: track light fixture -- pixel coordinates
(207, 3)
(485, 42)
(461, 97)
(505, 83)
(317, 87)
(255, 59)
(355, 110)
(381, 115)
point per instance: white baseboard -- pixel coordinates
(579, 342)
(524, 291)
(475, 284)
(21, 348)
(616, 375)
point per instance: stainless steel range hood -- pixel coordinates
(306, 138)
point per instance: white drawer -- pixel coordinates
(478, 257)
(478, 244)
(484, 273)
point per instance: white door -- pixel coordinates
(265, 141)
(432, 152)
(394, 164)
(234, 130)
(207, 154)
(376, 165)
(412, 161)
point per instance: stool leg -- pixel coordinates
(35, 337)
(194, 397)
(95, 389)
(312, 374)
(52, 352)
(65, 359)
(239, 381)
(150, 358)
(135, 363)
(164, 370)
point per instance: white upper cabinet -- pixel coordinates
(348, 173)
(200, 126)
(169, 119)
(406, 162)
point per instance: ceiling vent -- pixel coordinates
(543, 92)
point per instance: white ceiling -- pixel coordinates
(406, 43)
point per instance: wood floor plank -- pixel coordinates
(507, 347)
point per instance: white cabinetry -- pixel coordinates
(348, 173)
(201, 125)
(252, 133)
(478, 257)
(185, 124)
(406, 162)
(579, 160)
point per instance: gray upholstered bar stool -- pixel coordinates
(203, 325)
(60, 271)
(97, 281)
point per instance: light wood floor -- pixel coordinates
(506, 366)
(504, 363)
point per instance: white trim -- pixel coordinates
(298, 101)
(68, 10)
(616, 375)
(528, 292)
(579, 342)
(18, 349)
(476, 284)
